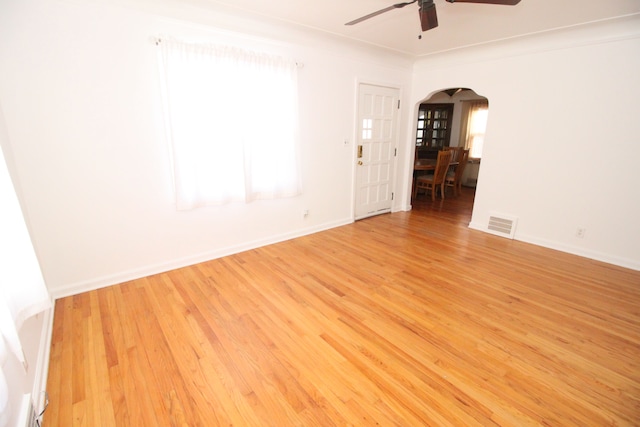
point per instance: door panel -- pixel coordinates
(377, 124)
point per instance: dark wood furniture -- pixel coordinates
(433, 129)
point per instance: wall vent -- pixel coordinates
(502, 225)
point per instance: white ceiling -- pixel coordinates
(460, 24)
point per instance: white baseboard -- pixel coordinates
(144, 271)
(574, 250)
(586, 253)
(402, 208)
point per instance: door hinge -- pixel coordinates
(395, 152)
(398, 104)
(392, 195)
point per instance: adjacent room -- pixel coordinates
(210, 215)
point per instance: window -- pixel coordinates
(476, 125)
(231, 118)
(367, 128)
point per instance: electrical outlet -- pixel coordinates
(580, 231)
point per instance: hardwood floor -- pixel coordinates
(405, 319)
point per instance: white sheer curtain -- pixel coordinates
(22, 289)
(475, 114)
(232, 121)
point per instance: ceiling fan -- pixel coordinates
(427, 11)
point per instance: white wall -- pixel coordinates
(563, 137)
(79, 88)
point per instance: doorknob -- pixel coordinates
(359, 162)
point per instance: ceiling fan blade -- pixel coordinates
(505, 2)
(380, 12)
(428, 17)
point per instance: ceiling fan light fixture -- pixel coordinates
(503, 2)
(428, 16)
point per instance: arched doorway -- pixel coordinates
(452, 117)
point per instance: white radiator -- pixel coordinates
(470, 174)
(27, 417)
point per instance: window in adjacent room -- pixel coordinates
(231, 119)
(475, 126)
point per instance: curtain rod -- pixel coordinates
(158, 40)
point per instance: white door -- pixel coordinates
(376, 148)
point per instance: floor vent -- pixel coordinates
(502, 225)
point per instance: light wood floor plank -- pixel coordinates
(405, 319)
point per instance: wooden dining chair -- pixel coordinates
(453, 177)
(456, 153)
(432, 182)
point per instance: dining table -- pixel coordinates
(428, 164)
